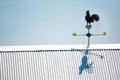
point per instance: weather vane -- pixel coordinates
(85, 65)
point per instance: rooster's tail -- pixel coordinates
(95, 17)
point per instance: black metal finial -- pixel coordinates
(90, 18)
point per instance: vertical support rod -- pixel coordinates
(89, 35)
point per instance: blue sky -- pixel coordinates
(41, 22)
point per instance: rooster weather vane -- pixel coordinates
(84, 63)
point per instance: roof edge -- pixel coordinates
(58, 47)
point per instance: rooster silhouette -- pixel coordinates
(91, 18)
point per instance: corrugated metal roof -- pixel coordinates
(59, 63)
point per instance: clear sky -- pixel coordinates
(48, 22)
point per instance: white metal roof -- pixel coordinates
(58, 47)
(35, 64)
